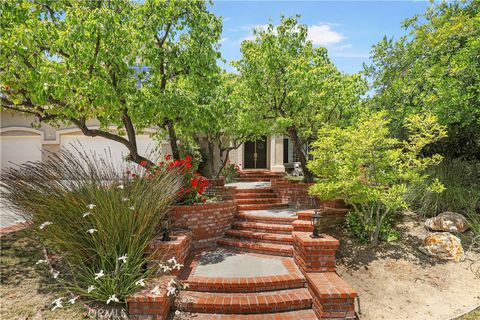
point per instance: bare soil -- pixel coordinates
(396, 281)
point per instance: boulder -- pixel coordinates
(444, 246)
(447, 221)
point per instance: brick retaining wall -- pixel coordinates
(208, 222)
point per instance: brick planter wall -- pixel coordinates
(208, 222)
(332, 217)
(217, 188)
(178, 247)
(296, 194)
(144, 305)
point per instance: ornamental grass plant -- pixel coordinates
(94, 217)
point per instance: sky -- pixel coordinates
(348, 29)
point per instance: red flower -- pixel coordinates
(134, 175)
(194, 182)
(161, 163)
(143, 163)
(188, 165)
(168, 157)
(176, 163)
(188, 158)
(204, 200)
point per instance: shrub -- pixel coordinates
(231, 172)
(370, 170)
(96, 218)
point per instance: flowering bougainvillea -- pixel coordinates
(194, 184)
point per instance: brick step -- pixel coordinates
(254, 200)
(258, 247)
(302, 225)
(255, 195)
(260, 236)
(262, 227)
(265, 172)
(255, 284)
(250, 216)
(254, 190)
(262, 206)
(244, 303)
(289, 315)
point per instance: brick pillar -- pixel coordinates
(314, 255)
(144, 305)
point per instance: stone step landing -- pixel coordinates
(259, 247)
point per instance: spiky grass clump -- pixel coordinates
(97, 217)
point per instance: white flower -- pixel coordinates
(124, 199)
(123, 258)
(57, 303)
(40, 262)
(99, 275)
(72, 301)
(155, 290)
(177, 312)
(140, 283)
(175, 264)
(91, 206)
(120, 187)
(165, 268)
(90, 289)
(171, 288)
(132, 208)
(91, 231)
(55, 274)
(86, 214)
(112, 298)
(172, 261)
(46, 223)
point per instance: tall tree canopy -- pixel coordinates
(293, 85)
(435, 67)
(132, 65)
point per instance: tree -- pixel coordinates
(132, 65)
(293, 85)
(226, 122)
(368, 168)
(434, 67)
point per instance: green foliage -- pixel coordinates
(91, 214)
(361, 225)
(128, 64)
(293, 86)
(231, 172)
(369, 169)
(435, 68)
(461, 194)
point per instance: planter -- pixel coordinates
(207, 222)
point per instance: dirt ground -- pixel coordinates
(397, 281)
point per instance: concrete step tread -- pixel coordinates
(254, 200)
(254, 190)
(263, 206)
(307, 314)
(272, 219)
(259, 195)
(244, 303)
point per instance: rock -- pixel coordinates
(444, 246)
(447, 221)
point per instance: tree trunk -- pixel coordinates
(172, 135)
(297, 145)
(223, 161)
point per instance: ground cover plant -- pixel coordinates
(94, 219)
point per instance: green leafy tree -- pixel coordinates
(131, 65)
(363, 164)
(294, 86)
(434, 67)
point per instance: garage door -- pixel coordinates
(20, 149)
(106, 147)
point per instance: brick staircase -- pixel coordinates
(256, 175)
(266, 229)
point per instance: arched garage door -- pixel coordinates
(18, 149)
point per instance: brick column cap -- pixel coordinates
(306, 240)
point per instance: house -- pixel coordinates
(20, 142)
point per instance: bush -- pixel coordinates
(361, 225)
(96, 218)
(231, 172)
(370, 170)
